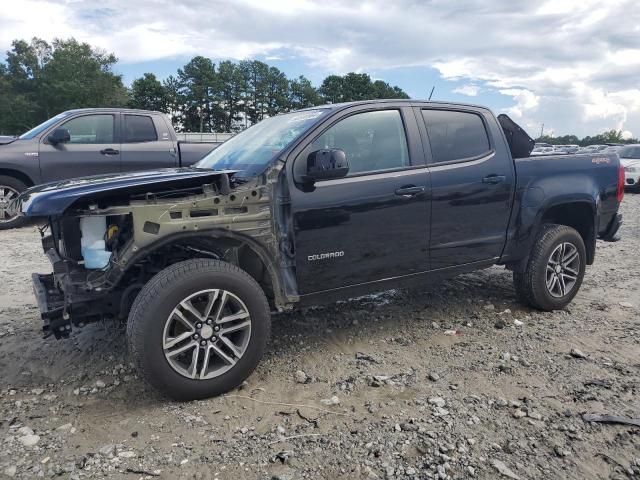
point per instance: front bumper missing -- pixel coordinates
(52, 306)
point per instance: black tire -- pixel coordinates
(156, 302)
(531, 285)
(17, 186)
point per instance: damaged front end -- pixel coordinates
(108, 236)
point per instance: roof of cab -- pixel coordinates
(340, 106)
(109, 109)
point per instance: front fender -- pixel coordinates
(284, 292)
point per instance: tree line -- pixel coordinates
(40, 79)
(610, 136)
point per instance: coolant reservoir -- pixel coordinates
(92, 242)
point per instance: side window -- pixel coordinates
(139, 128)
(455, 135)
(371, 141)
(90, 129)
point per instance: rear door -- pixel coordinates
(472, 182)
(372, 224)
(146, 143)
(93, 148)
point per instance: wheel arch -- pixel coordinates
(18, 175)
(579, 215)
(240, 250)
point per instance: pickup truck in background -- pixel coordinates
(306, 208)
(89, 141)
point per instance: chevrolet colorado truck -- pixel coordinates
(306, 208)
(89, 141)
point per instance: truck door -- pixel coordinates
(472, 182)
(146, 143)
(93, 148)
(372, 224)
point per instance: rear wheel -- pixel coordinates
(198, 328)
(10, 188)
(554, 271)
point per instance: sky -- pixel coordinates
(570, 65)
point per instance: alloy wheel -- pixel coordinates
(206, 334)
(7, 195)
(563, 268)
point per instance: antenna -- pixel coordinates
(432, 89)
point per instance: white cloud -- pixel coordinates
(572, 65)
(469, 90)
(525, 101)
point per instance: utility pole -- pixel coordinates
(542, 130)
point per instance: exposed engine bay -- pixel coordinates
(104, 250)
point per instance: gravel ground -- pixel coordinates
(455, 381)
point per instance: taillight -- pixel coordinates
(620, 192)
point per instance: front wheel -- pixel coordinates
(554, 271)
(10, 188)
(198, 329)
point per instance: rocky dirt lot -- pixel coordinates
(455, 381)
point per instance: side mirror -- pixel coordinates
(59, 135)
(326, 164)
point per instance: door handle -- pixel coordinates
(494, 179)
(109, 151)
(409, 191)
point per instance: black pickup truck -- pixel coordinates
(309, 207)
(89, 141)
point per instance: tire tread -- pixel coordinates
(154, 288)
(526, 289)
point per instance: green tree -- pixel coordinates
(612, 136)
(332, 89)
(357, 86)
(199, 88)
(15, 109)
(174, 102)
(78, 76)
(230, 98)
(277, 99)
(302, 94)
(384, 90)
(147, 93)
(40, 80)
(255, 89)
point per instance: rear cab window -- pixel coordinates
(139, 128)
(455, 135)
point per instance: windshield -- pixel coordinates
(252, 150)
(40, 128)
